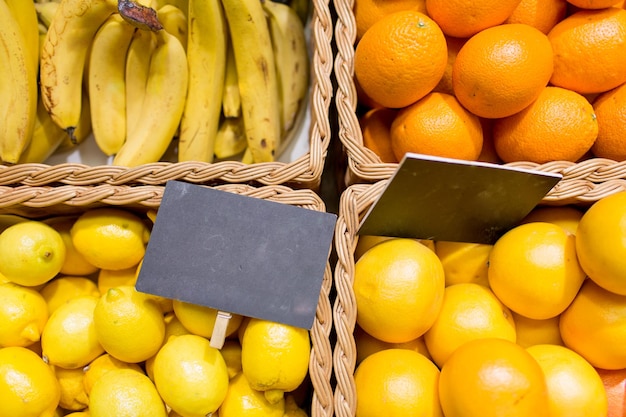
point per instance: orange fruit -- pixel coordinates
(400, 59)
(534, 271)
(610, 109)
(601, 242)
(366, 345)
(594, 326)
(464, 18)
(559, 125)
(469, 312)
(502, 69)
(454, 46)
(437, 125)
(565, 216)
(464, 262)
(398, 288)
(491, 378)
(376, 129)
(532, 332)
(541, 14)
(615, 386)
(368, 12)
(583, 43)
(574, 387)
(397, 382)
(593, 4)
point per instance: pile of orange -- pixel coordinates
(533, 325)
(549, 76)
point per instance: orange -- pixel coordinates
(583, 43)
(469, 312)
(610, 109)
(491, 378)
(565, 216)
(534, 271)
(502, 69)
(615, 386)
(464, 262)
(593, 4)
(594, 326)
(532, 332)
(541, 14)
(398, 288)
(437, 125)
(464, 18)
(400, 59)
(574, 387)
(368, 12)
(601, 242)
(366, 344)
(559, 125)
(397, 382)
(376, 129)
(454, 46)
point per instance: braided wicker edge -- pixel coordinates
(45, 201)
(304, 172)
(583, 182)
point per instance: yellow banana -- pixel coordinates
(107, 83)
(46, 138)
(46, 12)
(292, 58)
(258, 84)
(231, 101)
(163, 105)
(231, 138)
(137, 69)
(206, 52)
(83, 130)
(181, 4)
(174, 20)
(26, 16)
(18, 89)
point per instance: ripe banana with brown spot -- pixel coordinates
(206, 52)
(83, 130)
(163, 105)
(256, 71)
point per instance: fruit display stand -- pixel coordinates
(40, 202)
(583, 181)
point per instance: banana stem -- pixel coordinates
(139, 16)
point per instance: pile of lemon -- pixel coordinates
(533, 325)
(77, 338)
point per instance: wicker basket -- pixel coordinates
(304, 172)
(41, 202)
(585, 181)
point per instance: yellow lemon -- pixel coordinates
(3, 279)
(397, 382)
(464, 262)
(77, 414)
(469, 311)
(601, 242)
(242, 400)
(231, 352)
(575, 389)
(366, 344)
(69, 338)
(101, 365)
(200, 320)
(173, 327)
(366, 242)
(125, 392)
(61, 289)
(22, 315)
(73, 394)
(398, 287)
(110, 238)
(108, 278)
(565, 216)
(31, 253)
(274, 357)
(75, 263)
(28, 387)
(537, 332)
(129, 324)
(185, 363)
(534, 270)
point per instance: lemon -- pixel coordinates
(63, 288)
(3, 279)
(77, 414)
(73, 394)
(231, 352)
(125, 393)
(173, 327)
(242, 400)
(274, 357)
(108, 278)
(567, 217)
(464, 262)
(101, 365)
(75, 263)
(28, 387)
(200, 320)
(190, 375)
(31, 253)
(110, 238)
(69, 338)
(129, 324)
(23, 315)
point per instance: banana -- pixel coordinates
(258, 83)
(292, 58)
(46, 138)
(206, 52)
(83, 130)
(18, 88)
(174, 20)
(137, 68)
(26, 16)
(181, 4)
(231, 138)
(163, 105)
(46, 12)
(231, 100)
(302, 9)
(106, 82)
